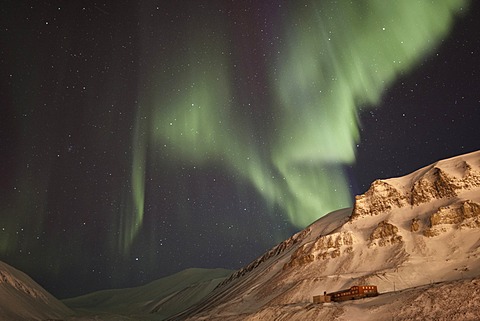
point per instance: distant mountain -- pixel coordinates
(416, 237)
(21, 298)
(154, 301)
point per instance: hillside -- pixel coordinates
(417, 235)
(156, 300)
(23, 299)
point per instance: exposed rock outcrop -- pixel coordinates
(381, 197)
(439, 181)
(324, 247)
(470, 176)
(470, 209)
(415, 226)
(385, 234)
(434, 184)
(465, 213)
(15, 283)
(446, 215)
(430, 232)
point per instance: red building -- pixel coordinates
(355, 292)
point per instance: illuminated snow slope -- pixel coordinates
(418, 235)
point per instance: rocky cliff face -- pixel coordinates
(461, 214)
(381, 197)
(435, 184)
(442, 180)
(384, 234)
(324, 247)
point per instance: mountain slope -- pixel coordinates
(21, 298)
(156, 300)
(420, 230)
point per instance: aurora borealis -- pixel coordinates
(142, 138)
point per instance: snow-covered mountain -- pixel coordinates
(416, 237)
(21, 298)
(156, 300)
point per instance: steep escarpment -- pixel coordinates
(324, 247)
(435, 184)
(380, 198)
(442, 180)
(460, 214)
(457, 213)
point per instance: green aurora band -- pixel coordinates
(337, 57)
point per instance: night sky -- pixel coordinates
(140, 138)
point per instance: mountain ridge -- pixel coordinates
(393, 237)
